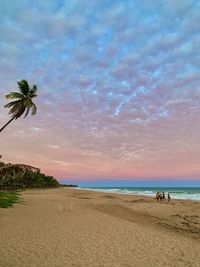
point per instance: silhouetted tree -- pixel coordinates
(22, 103)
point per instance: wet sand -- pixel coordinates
(71, 227)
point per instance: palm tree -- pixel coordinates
(22, 103)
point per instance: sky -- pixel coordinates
(118, 88)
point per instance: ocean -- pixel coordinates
(192, 193)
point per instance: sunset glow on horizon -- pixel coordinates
(118, 87)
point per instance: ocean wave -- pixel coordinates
(175, 194)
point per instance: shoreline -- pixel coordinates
(73, 227)
(134, 194)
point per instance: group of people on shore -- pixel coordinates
(161, 196)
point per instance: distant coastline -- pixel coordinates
(68, 185)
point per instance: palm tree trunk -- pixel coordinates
(7, 124)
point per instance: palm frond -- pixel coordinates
(24, 87)
(13, 95)
(27, 111)
(16, 109)
(19, 112)
(10, 104)
(27, 104)
(33, 109)
(33, 91)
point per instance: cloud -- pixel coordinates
(118, 86)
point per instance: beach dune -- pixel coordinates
(71, 227)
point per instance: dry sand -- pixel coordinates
(70, 227)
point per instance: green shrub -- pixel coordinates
(7, 199)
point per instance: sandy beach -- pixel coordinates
(71, 227)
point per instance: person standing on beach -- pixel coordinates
(168, 197)
(158, 196)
